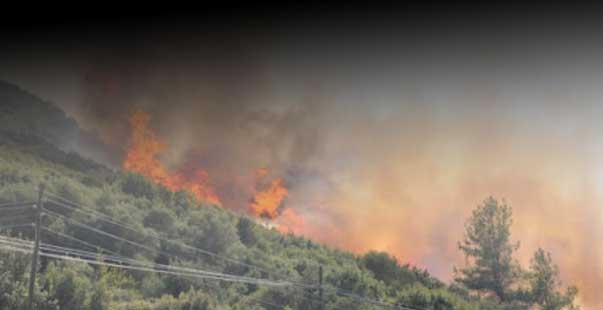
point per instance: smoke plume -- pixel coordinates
(360, 141)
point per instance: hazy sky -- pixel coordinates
(388, 132)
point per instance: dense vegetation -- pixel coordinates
(493, 281)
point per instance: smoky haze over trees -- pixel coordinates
(491, 280)
(369, 121)
(493, 271)
(487, 243)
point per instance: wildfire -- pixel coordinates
(143, 157)
(266, 203)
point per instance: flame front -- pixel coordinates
(143, 157)
(266, 203)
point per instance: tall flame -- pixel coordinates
(266, 203)
(143, 157)
(145, 148)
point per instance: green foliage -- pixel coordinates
(544, 284)
(358, 281)
(488, 246)
(190, 300)
(494, 271)
(245, 229)
(68, 284)
(383, 266)
(420, 296)
(159, 219)
(138, 186)
(13, 279)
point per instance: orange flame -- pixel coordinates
(266, 203)
(143, 157)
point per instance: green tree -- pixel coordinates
(544, 284)
(245, 228)
(69, 284)
(420, 296)
(136, 185)
(383, 266)
(489, 251)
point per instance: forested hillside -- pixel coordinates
(114, 240)
(241, 248)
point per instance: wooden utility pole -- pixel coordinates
(34, 259)
(320, 289)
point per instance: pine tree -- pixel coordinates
(544, 284)
(487, 245)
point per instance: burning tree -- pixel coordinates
(143, 157)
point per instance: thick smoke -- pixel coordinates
(380, 146)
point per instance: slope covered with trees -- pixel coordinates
(242, 248)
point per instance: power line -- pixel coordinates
(16, 226)
(111, 220)
(80, 241)
(64, 253)
(93, 258)
(17, 204)
(106, 234)
(104, 217)
(54, 214)
(128, 241)
(12, 208)
(157, 265)
(118, 257)
(123, 260)
(5, 219)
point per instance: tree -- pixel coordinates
(382, 265)
(489, 251)
(245, 228)
(544, 284)
(417, 295)
(136, 185)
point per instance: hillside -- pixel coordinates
(155, 212)
(28, 115)
(95, 209)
